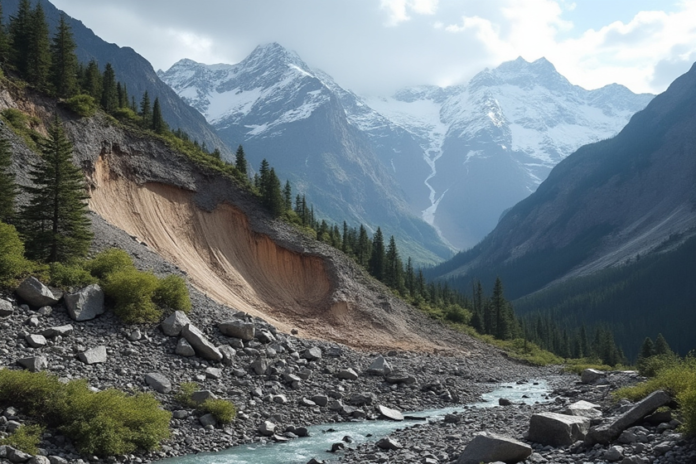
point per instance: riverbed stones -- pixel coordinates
(260, 366)
(35, 340)
(208, 420)
(362, 399)
(33, 363)
(228, 354)
(549, 428)
(175, 323)
(608, 432)
(379, 366)
(94, 355)
(237, 328)
(184, 348)
(490, 447)
(312, 354)
(62, 331)
(591, 375)
(85, 304)
(347, 374)
(6, 308)
(158, 382)
(267, 428)
(320, 400)
(35, 293)
(389, 413)
(388, 443)
(203, 347)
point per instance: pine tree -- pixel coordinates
(240, 161)
(363, 251)
(661, 346)
(146, 111)
(109, 96)
(63, 74)
(92, 84)
(393, 267)
(39, 58)
(378, 257)
(8, 188)
(4, 41)
(501, 312)
(20, 37)
(287, 196)
(158, 124)
(410, 278)
(55, 221)
(647, 350)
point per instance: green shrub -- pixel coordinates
(457, 314)
(687, 404)
(183, 397)
(109, 261)
(132, 291)
(126, 115)
(103, 423)
(70, 275)
(26, 438)
(172, 293)
(649, 367)
(223, 410)
(83, 105)
(16, 118)
(12, 261)
(576, 366)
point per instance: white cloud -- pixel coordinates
(398, 9)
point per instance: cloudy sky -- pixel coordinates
(375, 47)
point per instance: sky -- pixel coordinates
(376, 47)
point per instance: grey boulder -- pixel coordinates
(347, 374)
(85, 304)
(184, 348)
(379, 366)
(62, 330)
(389, 413)
(490, 447)
(591, 375)
(550, 428)
(312, 354)
(93, 356)
(33, 364)
(35, 340)
(174, 324)
(238, 329)
(267, 428)
(6, 308)
(228, 354)
(200, 343)
(583, 409)
(35, 293)
(158, 382)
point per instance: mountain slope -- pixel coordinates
(281, 110)
(133, 70)
(607, 204)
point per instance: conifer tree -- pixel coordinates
(8, 188)
(4, 41)
(363, 251)
(393, 267)
(240, 161)
(287, 196)
(377, 258)
(271, 194)
(92, 84)
(55, 221)
(158, 124)
(20, 37)
(64, 64)
(661, 346)
(109, 96)
(39, 54)
(146, 112)
(647, 350)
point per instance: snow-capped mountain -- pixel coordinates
(457, 157)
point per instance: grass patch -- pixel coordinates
(13, 264)
(83, 105)
(70, 275)
(224, 411)
(576, 366)
(23, 125)
(26, 438)
(105, 423)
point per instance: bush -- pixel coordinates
(104, 423)
(457, 314)
(132, 291)
(83, 105)
(172, 293)
(223, 410)
(26, 438)
(16, 118)
(126, 115)
(649, 367)
(70, 275)
(183, 397)
(109, 261)
(12, 261)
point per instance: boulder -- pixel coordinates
(591, 375)
(213, 372)
(158, 382)
(184, 348)
(390, 414)
(389, 444)
(583, 409)
(238, 329)
(208, 419)
(6, 308)
(264, 336)
(62, 330)
(260, 366)
(39, 460)
(85, 304)
(35, 340)
(35, 293)
(347, 374)
(174, 324)
(228, 354)
(267, 428)
(94, 355)
(550, 428)
(608, 432)
(320, 400)
(490, 447)
(33, 364)
(16, 456)
(379, 366)
(613, 454)
(200, 396)
(312, 354)
(361, 399)
(200, 343)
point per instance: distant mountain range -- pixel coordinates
(458, 157)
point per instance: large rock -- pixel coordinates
(583, 409)
(388, 444)
(158, 382)
(35, 340)
(260, 366)
(591, 375)
(228, 354)
(238, 329)
(550, 428)
(379, 366)
(201, 396)
(267, 428)
(606, 433)
(362, 399)
(6, 308)
(347, 374)
(85, 304)
(62, 330)
(33, 364)
(200, 343)
(35, 293)
(174, 324)
(389, 413)
(14, 455)
(490, 447)
(312, 354)
(93, 356)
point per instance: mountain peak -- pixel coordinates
(523, 74)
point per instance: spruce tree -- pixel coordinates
(20, 37)
(240, 161)
(109, 96)
(4, 41)
(378, 257)
(92, 84)
(393, 267)
(64, 63)
(55, 220)
(287, 196)
(158, 123)
(146, 112)
(647, 350)
(8, 188)
(661, 346)
(271, 195)
(39, 58)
